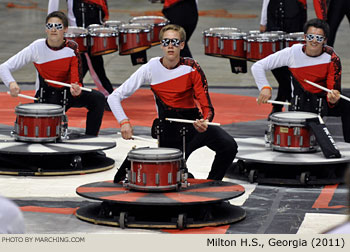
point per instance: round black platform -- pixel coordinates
(260, 164)
(79, 155)
(76, 145)
(198, 192)
(201, 204)
(164, 217)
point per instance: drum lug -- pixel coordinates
(260, 48)
(104, 42)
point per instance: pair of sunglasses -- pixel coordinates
(50, 26)
(319, 38)
(175, 42)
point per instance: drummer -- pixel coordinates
(83, 13)
(316, 62)
(175, 81)
(56, 59)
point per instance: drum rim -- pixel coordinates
(106, 23)
(145, 28)
(138, 18)
(264, 38)
(210, 32)
(84, 32)
(175, 156)
(23, 109)
(241, 35)
(274, 117)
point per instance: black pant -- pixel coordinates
(283, 78)
(93, 101)
(185, 14)
(336, 12)
(216, 139)
(98, 65)
(310, 103)
(342, 109)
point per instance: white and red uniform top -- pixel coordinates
(324, 69)
(179, 87)
(59, 64)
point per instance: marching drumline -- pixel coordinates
(139, 34)
(230, 42)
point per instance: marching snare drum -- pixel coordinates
(289, 132)
(294, 38)
(157, 23)
(155, 169)
(233, 45)
(79, 35)
(134, 38)
(115, 24)
(38, 122)
(261, 45)
(103, 40)
(212, 38)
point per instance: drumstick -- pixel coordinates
(189, 121)
(278, 102)
(25, 96)
(141, 138)
(67, 85)
(326, 89)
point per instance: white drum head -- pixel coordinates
(155, 154)
(221, 31)
(75, 30)
(135, 28)
(150, 20)
(292, 116)
(39, 109)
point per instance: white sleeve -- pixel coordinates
(53, 6)
(135, 81)
(276, 60)
(71, 18)
(16, 62)
(263, 18)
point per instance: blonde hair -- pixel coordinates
(173, 27)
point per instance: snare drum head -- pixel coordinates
(75, 31)
(135, 28)
(264, 37)
(103, 32)
(94, 26)
(292, 116)
(295, 36)
(155, 154)
(39, 109)
(221, 31)
(113, 23)
(234, 35)
(150, 20)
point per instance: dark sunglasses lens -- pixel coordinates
(59, 26)
(165, 42)
(175, 42)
